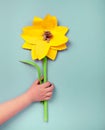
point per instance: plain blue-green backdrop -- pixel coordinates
(78, 102)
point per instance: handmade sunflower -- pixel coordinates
(44, 38)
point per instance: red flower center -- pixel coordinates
(47, 36)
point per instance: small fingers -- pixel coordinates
(50, 89)
(38, 81)
(49, 94)
(47, 98)
(46, 85)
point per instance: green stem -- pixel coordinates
(45, 80)
(35, 66)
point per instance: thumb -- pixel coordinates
(37, 82)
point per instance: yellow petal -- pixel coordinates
(60, 29)
(52, 54)
(37, 22)
(49, 22)
(33, 37)
(42, 49)
(27, 46)
(28, 28)
(58, 40)
(61, 47)
(33, 53)
(32, 31)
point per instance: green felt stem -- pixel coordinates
(35, 66)
(45, 104)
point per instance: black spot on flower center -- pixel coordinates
(47, 36)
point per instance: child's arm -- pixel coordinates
(36, 93)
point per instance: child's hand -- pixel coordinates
(40, 92)
(37, 92)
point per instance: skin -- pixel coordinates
(37, 92)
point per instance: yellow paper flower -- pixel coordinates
(44, 37)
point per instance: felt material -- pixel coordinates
(35, 66)
(44, 38)
(45, 103)
(34, 37)
(78, 102)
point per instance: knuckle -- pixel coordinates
(51, 93)
(51, 88)
(47, 98)
(48, 83)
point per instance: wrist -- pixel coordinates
(28, 97)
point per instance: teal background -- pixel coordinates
(78, 102)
